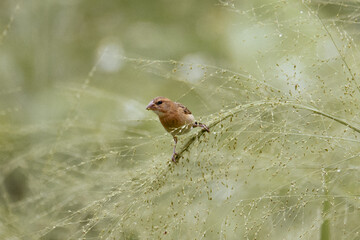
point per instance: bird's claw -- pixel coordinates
(205, 128)
(174, 158)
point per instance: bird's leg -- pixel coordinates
(174, 153)
(203, 126)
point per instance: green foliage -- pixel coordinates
(276, 82)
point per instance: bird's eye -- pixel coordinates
(159, 102)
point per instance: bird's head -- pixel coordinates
(159, 105)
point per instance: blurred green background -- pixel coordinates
(277, 81)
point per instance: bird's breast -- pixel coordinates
(177, 124)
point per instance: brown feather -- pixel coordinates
(185, 109)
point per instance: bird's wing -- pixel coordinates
(185, 109)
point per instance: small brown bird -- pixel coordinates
(175, 118)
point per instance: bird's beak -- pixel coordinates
(150, 106)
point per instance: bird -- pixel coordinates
(175, 118)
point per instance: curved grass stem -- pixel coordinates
(239, 108)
